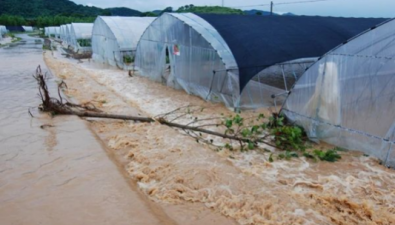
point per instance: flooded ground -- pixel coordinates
(5, 41)
(54, 170)
(190, 180)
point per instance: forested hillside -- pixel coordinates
(123, 11)
(35, 8)
(42, 13)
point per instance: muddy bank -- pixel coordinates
(173, 170)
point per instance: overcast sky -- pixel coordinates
(346, 8)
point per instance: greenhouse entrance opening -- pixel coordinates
(166, 71)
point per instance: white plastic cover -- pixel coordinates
(80, 32)
(67, 34)
(347, 98)
(3, 31)
(57, 32)
(62, 32)
(28, 28)
(114, 38)
(50, 31)
(183, 51)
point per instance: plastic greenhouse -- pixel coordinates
(347, 98)
(80, 35)
(3, 31)
(50, 31)
(62, 32)
(114, 39)
(57, 32)
(240, 60)
(28, 28)
(66, 35)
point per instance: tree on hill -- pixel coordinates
(209, 10)
(123, 11)
(167, 10)
(148, 14)
(34, 8)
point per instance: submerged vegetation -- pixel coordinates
(291, 140)
(84, 42)
(128, 59)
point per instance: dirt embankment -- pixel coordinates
(197, 185)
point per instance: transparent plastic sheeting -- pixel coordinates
(182, 51)
(200, 62)
(347, 98)
(3, 31)
(62, 32)
(51, 31)
(67, 33)
(80, 31)
(115, 37)
(57, 32)
(28, 28)
(270, 87)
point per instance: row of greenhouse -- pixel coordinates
(335, 77)
(6, 29)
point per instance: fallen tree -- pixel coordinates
(61, 106)
(249, 133)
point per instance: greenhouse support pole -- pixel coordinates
(211, 85)
(271, 8)
(285, 80)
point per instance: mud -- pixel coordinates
(174, 170)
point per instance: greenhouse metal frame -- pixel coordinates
(243, 61)
(115, 39)
(347, 98)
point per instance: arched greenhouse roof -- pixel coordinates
(126, 30)
(3, 29)
(50, 30)
(28, 28)
(347, 97)
(81, 30)
(258, 42)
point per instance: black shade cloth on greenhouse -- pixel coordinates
(15, 28)
(258, 42)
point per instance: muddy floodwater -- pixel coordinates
(53, 170)
(67, 170)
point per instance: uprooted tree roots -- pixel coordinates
(58, 106)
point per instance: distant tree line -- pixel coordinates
(43, 21)
(87, 14)
(209, 9)
(9, 20)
